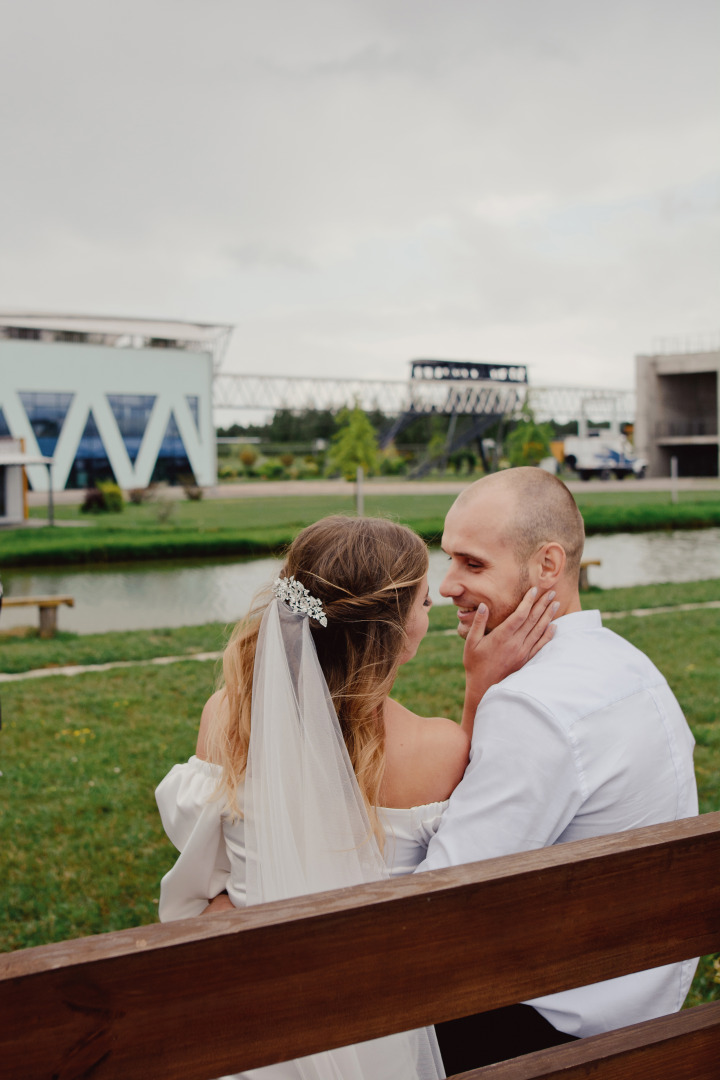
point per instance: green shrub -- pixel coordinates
(272, 469)
(529, 442)
(309, 469)
(392, 463)
(105, 497)
(248, 456)
(93, 502)
(463, 460)
(113, 496)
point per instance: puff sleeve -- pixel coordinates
(192, 817)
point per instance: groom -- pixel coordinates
(586, 739)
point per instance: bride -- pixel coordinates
(308, 775)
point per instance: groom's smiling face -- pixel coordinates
(483, 564)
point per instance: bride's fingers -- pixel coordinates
(524, 611)
(476, 633)
(519, 636)
(541, 615)
(542, 630)
(547, 635)
(528, 626)
(528, 613)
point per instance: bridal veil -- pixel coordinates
(306, 825)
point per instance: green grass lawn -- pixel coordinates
(82, 850)
(259, 525)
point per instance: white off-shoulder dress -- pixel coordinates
(212, 846)
(212, 857)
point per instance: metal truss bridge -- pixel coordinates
(469, 395)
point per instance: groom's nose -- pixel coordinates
(450, 586)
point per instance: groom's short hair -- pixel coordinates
(544, 512)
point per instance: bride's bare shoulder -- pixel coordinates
(426, 756)
(208, 716)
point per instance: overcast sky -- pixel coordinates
(355, 183)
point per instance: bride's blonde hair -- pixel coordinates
(366, 572)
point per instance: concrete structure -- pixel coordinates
(678, 410)
(13, 490)
(110, 398)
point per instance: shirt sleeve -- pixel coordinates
(191, 816)
(521, 788)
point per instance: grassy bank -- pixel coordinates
(235, 527)
(82, 847)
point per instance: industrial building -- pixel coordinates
(678, 411)
(110, 398)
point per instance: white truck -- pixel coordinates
(601, 452)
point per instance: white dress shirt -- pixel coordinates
(586, 739)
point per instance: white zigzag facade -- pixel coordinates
(101, 394)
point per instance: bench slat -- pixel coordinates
(680, 1047)
(38, 601)
(202, 997)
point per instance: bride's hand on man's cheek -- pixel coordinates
(489, 658)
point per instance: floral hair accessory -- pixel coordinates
(299, 599)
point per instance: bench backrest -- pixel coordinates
(203, 997)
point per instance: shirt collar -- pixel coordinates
(578, 620)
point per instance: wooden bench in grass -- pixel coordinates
(48, 606)
(204, 997)
(584, 583)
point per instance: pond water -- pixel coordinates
(145, 596)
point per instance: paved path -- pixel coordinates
(661, 610)
(162, 661)
(262, 489)
(84, 669)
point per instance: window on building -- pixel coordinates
(46, 413)
(91, 461)
(132, 415)
(162, 343)
(23, 333)
(70, 335)
(172, 464)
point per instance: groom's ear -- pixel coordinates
(550, 564)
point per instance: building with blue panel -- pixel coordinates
(106, 398)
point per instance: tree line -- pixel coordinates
(350, 437)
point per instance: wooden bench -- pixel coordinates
(48, 606)
(199, 998)
(584, 583)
